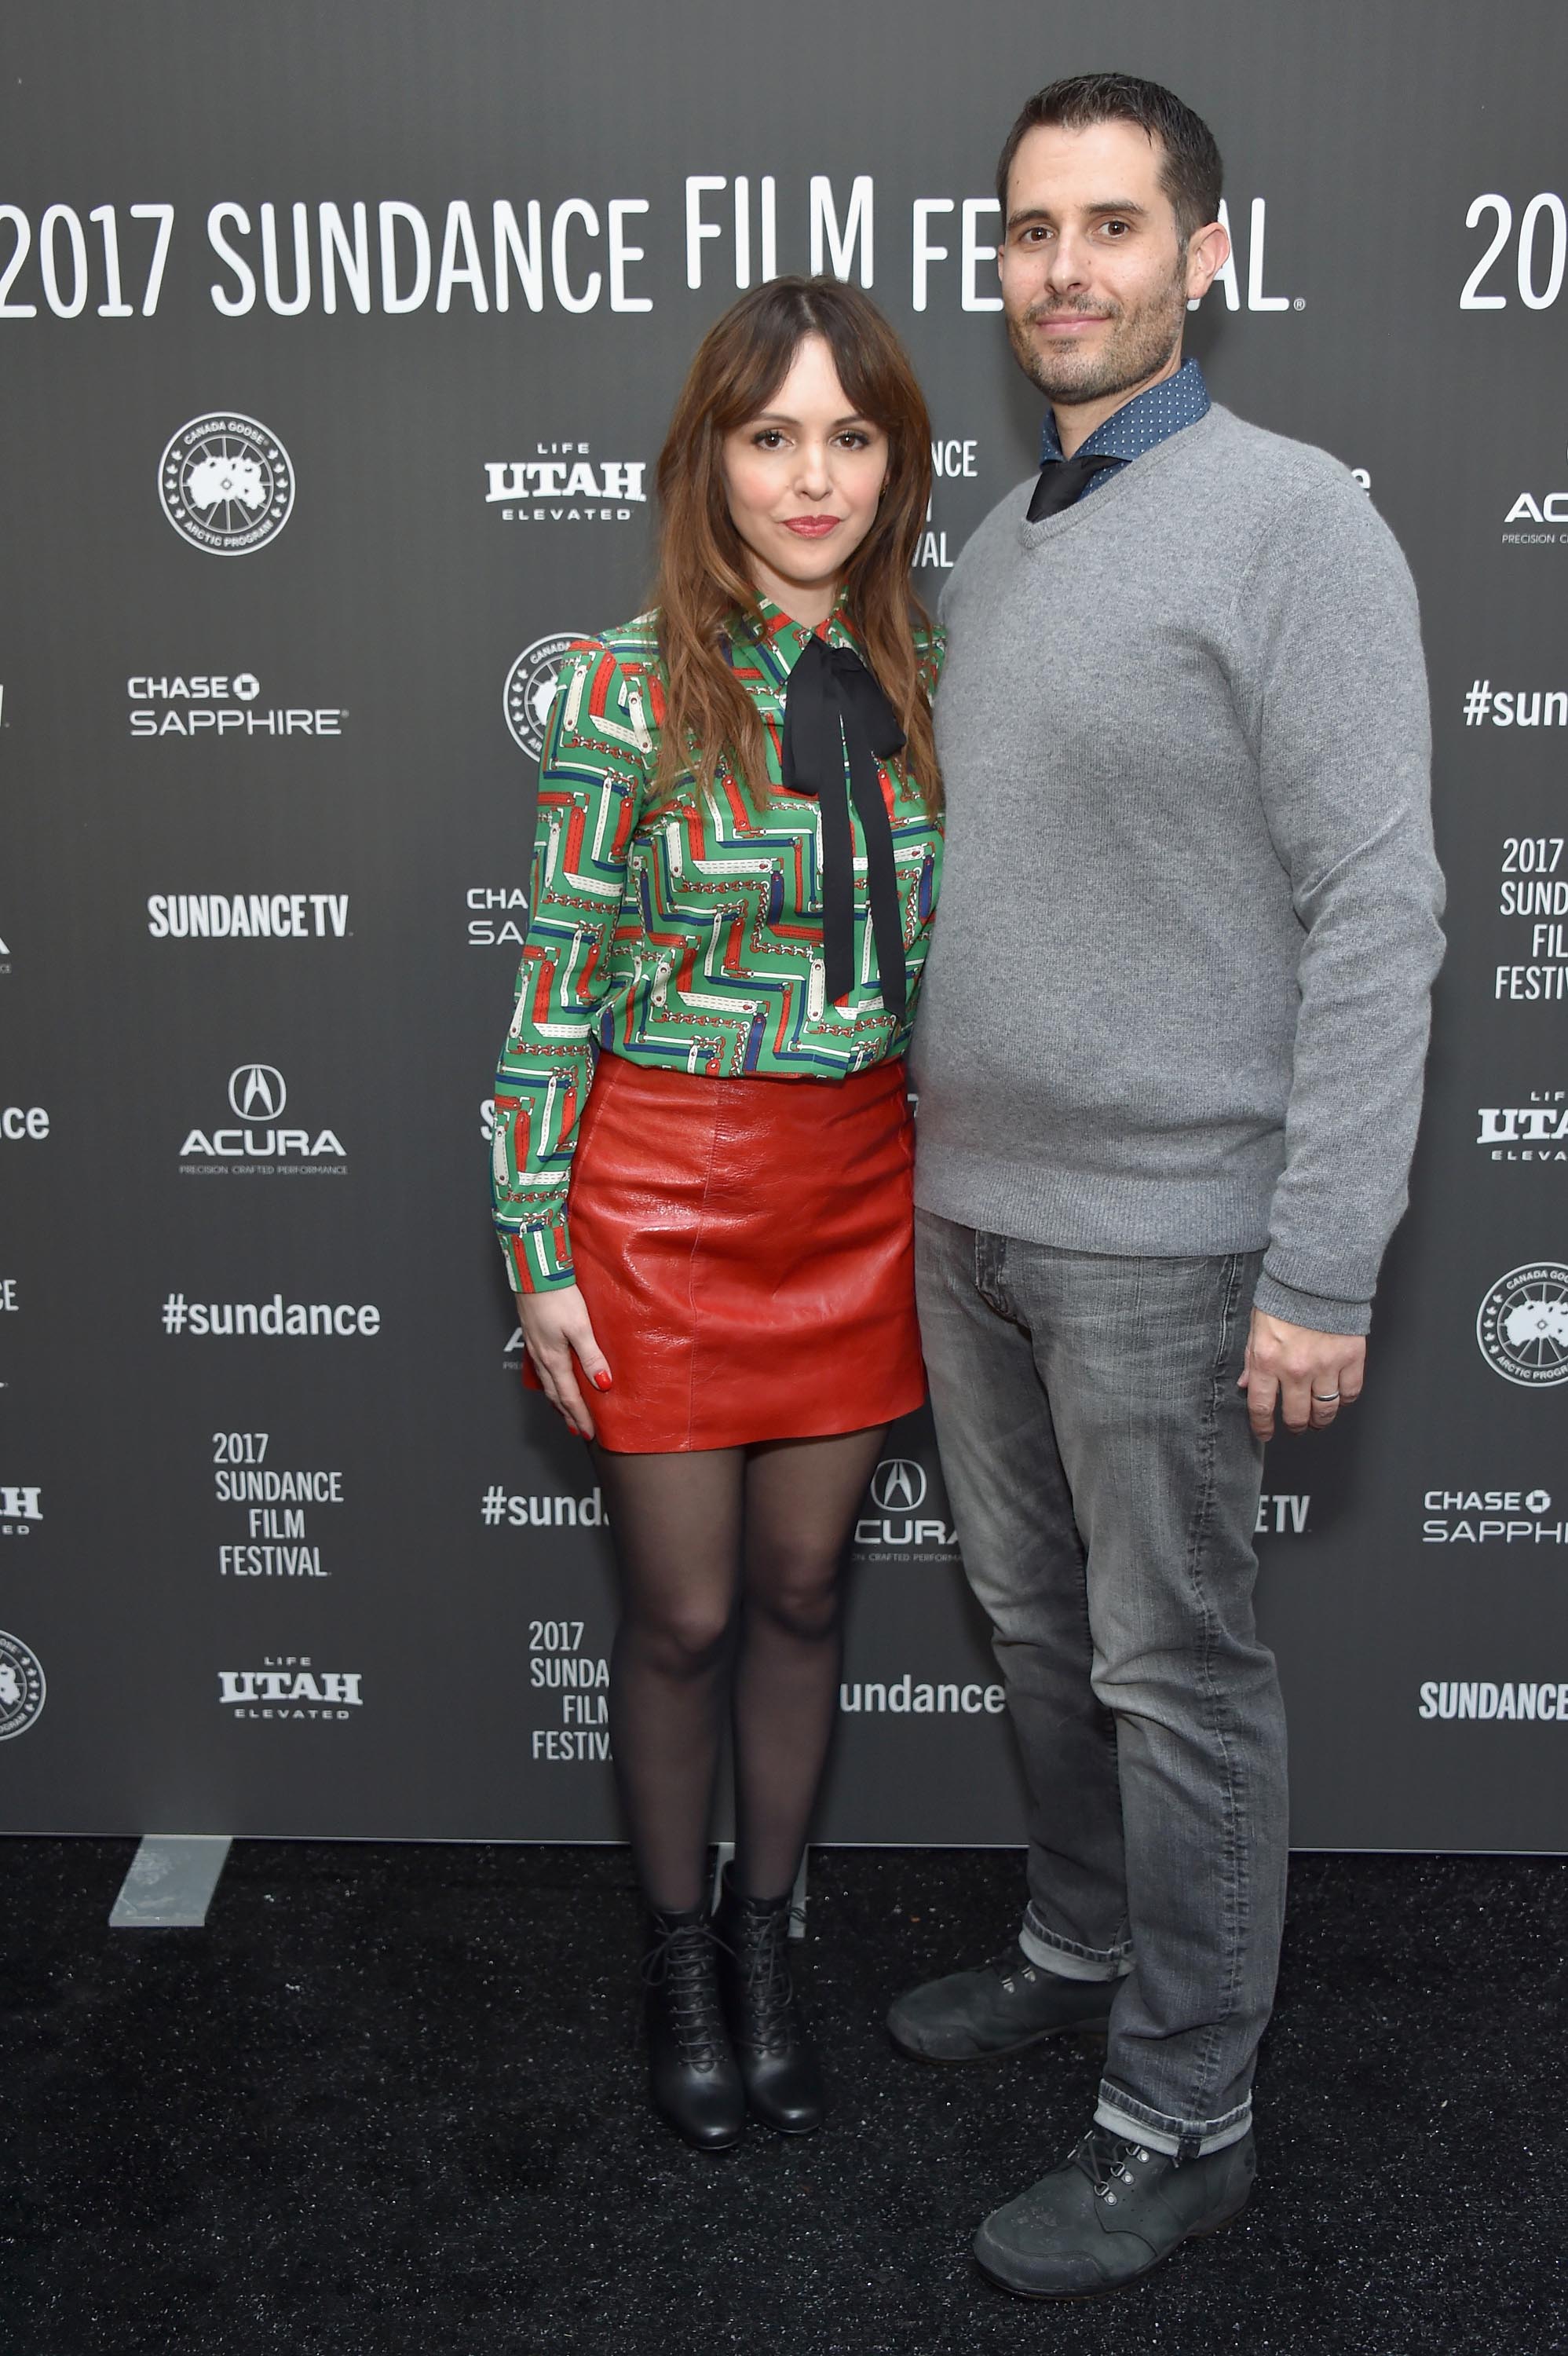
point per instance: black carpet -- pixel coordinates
(389, 2102)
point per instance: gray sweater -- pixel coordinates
(1177, 996)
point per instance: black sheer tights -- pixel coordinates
(728, 1562)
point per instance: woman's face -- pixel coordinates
(802, 479)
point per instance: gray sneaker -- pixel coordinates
(1108, 2213)
(1008, 2004)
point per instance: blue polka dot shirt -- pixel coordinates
(1151, 416)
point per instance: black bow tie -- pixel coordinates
(1062, 481)
(833, 703)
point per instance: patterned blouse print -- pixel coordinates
(686, 936)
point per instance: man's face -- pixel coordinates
(1095, 275)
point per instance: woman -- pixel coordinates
(702, 1142)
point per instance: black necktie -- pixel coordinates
(1061, 482)
(832, 702)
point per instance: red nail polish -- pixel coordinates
(602, 1382)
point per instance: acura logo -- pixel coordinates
(256, 1091)
(898, 1486)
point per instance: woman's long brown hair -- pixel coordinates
(703, 581)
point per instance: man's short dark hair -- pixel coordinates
(1190, 171)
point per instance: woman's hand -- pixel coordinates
(555, 1328)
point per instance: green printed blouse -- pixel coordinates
(687, 934)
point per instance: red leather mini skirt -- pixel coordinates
(745, 1248)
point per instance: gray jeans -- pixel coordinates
(1104, 1483)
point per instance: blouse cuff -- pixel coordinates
(538, 1259)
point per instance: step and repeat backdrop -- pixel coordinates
(337, 345)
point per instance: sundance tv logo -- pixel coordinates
(1522, 1324)
(257, 1144)
(226, 484)
(1481, 1698)
(247, 915)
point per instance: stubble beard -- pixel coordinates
(1140, 343)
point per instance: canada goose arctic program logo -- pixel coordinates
(1522, 1327)
(227, 485)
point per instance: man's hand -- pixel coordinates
(555, 1328)
(1309, 1375)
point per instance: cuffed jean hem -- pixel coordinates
(1177, 2139)
(1068, 1961)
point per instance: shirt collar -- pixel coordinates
(1151, 417)
(781, 642)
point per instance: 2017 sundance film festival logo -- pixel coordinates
(1532, 888)
(227, 485)
(531, 685)
(561, 484)
(257, 1143)
(1522, 1326)
(22, 1686)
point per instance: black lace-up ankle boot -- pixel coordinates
(778, 2068)
(692, 2075)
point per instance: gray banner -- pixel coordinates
(339, 346)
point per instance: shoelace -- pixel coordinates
(1102, 2159)
(765, 1978)
(680, 1964)
(1012, 1964)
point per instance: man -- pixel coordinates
(1169, 1068)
